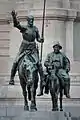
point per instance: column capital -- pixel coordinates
(71, 15)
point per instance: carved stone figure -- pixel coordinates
(58, 67)
(28, 45)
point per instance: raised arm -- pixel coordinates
(16, 22)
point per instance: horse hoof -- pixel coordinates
(55, 109)
(61, 109)
(26, 108)
(36, 109)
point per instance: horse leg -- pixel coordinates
(33, 90)
(33, 99)
(23, 85)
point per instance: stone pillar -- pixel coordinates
(69, 33)
(69, 39)
(55, 31)
(4, 50)
(66, 4)
(75, 4)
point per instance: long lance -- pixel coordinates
(42, 35)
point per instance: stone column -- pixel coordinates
(69, 39)
(66, 4)
(4, 50)
(69, 33)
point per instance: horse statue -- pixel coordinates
(28, 75)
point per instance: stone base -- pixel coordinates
(41, 115)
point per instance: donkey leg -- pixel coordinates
(56, 98)
(56, 94)
(54, 102)
(52, 97)
(61, 96)
(54, 90)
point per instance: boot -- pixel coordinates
(13, 72)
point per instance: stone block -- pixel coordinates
(2, 111)
(39, 115)
(5, 118)
(14, 111)
(4, 35)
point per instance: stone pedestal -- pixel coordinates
(42, 115)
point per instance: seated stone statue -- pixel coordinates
(58, 66)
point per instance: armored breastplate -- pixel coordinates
(29, 34)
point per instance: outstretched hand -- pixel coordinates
(13, 13)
